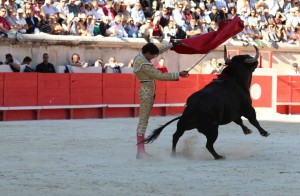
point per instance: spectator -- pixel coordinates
(157, 28)
(161, 66)
(284, 6)
(209, 4)
(187, 14)
(45, 26)
(99, 63)
(12, 20)
(232, 13)
(171, 30)
(28, 5)
(223, 13)
(32, 22)
(193, 29)
(165, 17)
(73, 9)
(97, 11)
(82, 26)
(146, 30)
(12, 5)
(56, 28)
(279, 18)
(281, 33)
(268, 17)
(116, 29)
(295, 69)
(253, 19)
(91, 24)
(243, 5)
(221, 4)
(37, 8)
(63, 11)
(24, 67)
(204, 16)
(212, 26)
(108, 10)
(214, 15)
(202, 26)
(244, 16)
(4, 26)
(296, 35)
(123, 11)
(212, 67)
(170, 4)
(104, 26)
(289, 32)
(88, 9)
(112, 63)
(273, 7)
(138, 15)
(45, 66)
(13, 63)
(292, 18)
(179, 16)
(131, 29)
(48, 8)
(21, 21)
(75, 61)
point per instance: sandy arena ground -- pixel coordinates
(97, 157)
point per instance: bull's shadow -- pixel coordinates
(222, 101)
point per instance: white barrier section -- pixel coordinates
(264, 89)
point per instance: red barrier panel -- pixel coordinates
(86, 89)
(1, 89)
(295, 85)
(53, 89)
(261, 91)
(118, 88)
(283, 89)
(179, 91)
(20, 89)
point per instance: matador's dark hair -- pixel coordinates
(151, 48)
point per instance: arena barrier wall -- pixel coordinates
(37, 96)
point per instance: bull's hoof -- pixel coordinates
(265, 134)
(219, 158)
(247, 131)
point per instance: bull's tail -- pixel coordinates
(154, 135)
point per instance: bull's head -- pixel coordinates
(247, 59)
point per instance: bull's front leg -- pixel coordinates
(251, 116)
(246, 130)
(211, 133)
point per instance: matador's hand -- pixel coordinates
(184, 74)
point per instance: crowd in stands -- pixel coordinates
(112, 66)
(267, 22)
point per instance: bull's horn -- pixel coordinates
(226, 59)
(252, 60)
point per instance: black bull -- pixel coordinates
(224, 100)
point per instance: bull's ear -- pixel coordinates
(226, 59)
(254, 59)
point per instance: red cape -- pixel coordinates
(203, 44)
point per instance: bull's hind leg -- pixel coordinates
(211, 133)
(246, 130)
(176, 136)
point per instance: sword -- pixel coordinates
(198, 61)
